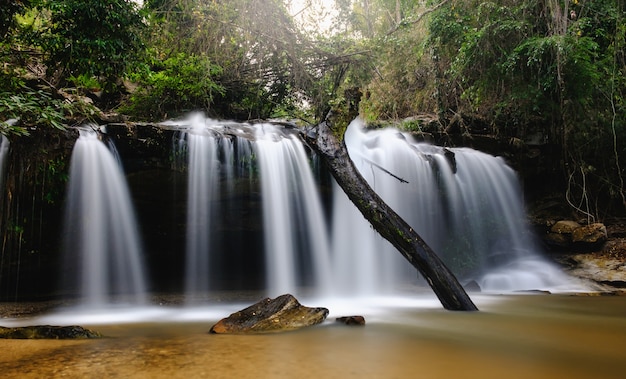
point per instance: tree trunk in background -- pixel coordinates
(387, 222)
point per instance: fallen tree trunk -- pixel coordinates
(386, 221)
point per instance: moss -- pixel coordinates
(343, 111)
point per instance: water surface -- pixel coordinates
(520, 336)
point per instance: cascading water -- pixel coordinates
(100, 230)
(296, 241)
(270, 232)
(214, 162)
(203, 177)
(467, 206)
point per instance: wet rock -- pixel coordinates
(607, 266)
(616, 248)
(271, 315)
(567, 234)
(351, 320)
(560, 234)
(590, 234)
(564, 227)
(48, 332)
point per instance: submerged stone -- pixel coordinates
(48, 332)
(271, 315)
(351, 320)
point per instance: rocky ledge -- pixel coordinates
(605, 265)
(591, 251)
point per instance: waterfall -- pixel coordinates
(467, 205)
(250, 210)
(296, 246)
(101, 235)
(296, 241)
(214, 162)
(201, 192)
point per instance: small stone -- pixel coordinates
(351, 320)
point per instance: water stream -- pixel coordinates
(467, 205)
(4, 152)
(103, 253)
(296, 239)
(513, 336)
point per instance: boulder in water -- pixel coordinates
(48, 332)
(271, 315)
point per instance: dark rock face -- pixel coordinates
(48, 332)
(271, 315)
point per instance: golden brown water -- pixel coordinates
(523, 336)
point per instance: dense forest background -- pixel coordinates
(548, 73)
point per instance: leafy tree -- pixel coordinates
(537, 68)
(8, 10)
(99, 38)
(244, 51)
(179, 83)
(546, 67)
(264, 66)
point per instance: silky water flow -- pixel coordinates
(295, 237)
(102, 245)
(467, 205)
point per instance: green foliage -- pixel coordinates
(86, 82)
(8, 10)
(30, 108)
(180, 83)
(403, 71)
(95, 38)
(550, 67)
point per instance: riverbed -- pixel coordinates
(512, 336)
